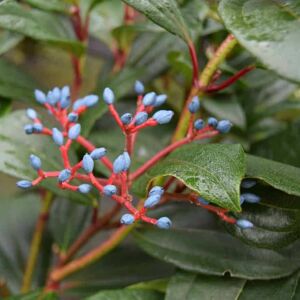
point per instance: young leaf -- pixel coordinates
(215, 253)
(282, 177)
(269, 30)
(214, 171)
(164, 13)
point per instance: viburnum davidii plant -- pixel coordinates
(164, 162)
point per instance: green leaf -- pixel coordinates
(124, 266)
(268, 29)
(9, 40)
(50, 5)
(159, 285)
(214, 171)
(164, 13)
(127, 294)
(15, 83)
(5, 106)
(191, 286)
(38, 25)
(282, 147)
(16, 147)
(282, 177)
(215, 253)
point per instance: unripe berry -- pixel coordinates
(248, 183)
(24, 184)
(58, 137)
(31, 113)
(109, 190)
(212, 122)
(244, 224)
(121, 163)
(91, 100)
(73, 117)
(40, 97)
(250, 198)
(139, 87)
(78, 104)
(164, 223)
(87, 163)
(199, 124)
(194, 105)
(149, 99)
(28, 129)
(74, 132)
(37, 127)
(156, 190)
(98, 153)
(84, 188)
(141, 118)
(64, 175)
(35, 162)
(127, 219)
(152, 201)
(108, 96)
(224, 126)
(160, 100)
(163, 116)
(126, 118)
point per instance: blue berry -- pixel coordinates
(121, 163)
(87, 163)
(65, 102)
(31, 113)
(73, 117)
(91, 100)
(212, 122)
(199, 124)
(160, 100)
(149, 99)
(24, 184)
(139, 87)
(74, 132)
(156, 190)
(202, 201)
(37, 127)
(78, 104)
(126, 118)
(248, 183)
(56, 94)
(109, 190)
(163, 116)
(194, 105)
(250, 198)
(108, 96)
(141, 118)
(35, 162)
(127, 219)
(244, 224)
(64, 175)
(65, 92)
(40, 97)
(84, 188)
(57, 136)
(98, 153)
(224, 126)
(28, 129)
(152, 201)
(164, 223)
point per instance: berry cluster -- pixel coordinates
(117, 185)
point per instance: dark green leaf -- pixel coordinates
(127, 294)
(214, 171)
(268, 29)
(191, 286)
(50, 5)
(5, 106)
(282, 177)
(164, 13)
(38, 25)
(9, 40)
(16, 147)
(159, 285)
(283, 147)
(215, 253)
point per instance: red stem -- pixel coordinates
(195, 64)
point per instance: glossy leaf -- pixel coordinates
(164, 13)
(215, 253)
(127, 294)
(214, 171)
(282, 177)
(38, 25)
(269, 30)
(191, 286)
